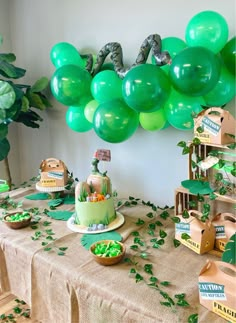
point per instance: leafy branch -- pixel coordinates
(21, 310)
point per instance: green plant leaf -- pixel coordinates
(7, 95)
(3, 131)
(229, 254)
(9, 57)
(193, 318)
(88, 239)
(40, 85)
(10, 71)
(4, 148)
(60, 215)
(176, 242)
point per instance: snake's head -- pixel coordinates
(162, 58)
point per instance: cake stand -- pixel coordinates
(119, 220)
(51, 190)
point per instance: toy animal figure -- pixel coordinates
(151, 42)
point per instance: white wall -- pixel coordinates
(148, 165)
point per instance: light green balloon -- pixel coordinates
(153, 121)
(208, 29)
(65, 54)
(75, 119)
(106, 86)
(90, 109)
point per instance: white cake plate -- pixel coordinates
(119, 220)
(49, 189)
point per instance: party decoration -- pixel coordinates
(38, 196)
(88, 239)
(153, 121)
(195, 71)
(208, 29)
(89, 110)
(106, 85)
(113, 98)
(65, 54)
(76, 120)
(151, 42)
(146, 88)
(70, 85)
(62, 215)
(114, 121)
(173, 45)
(223, 92)
(228, 55)
(179, 109)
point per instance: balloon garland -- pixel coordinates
(182, 77)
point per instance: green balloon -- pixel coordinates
(223, 92)
(114, 121)
(153, 121)
(179, 110)
(90, 109)
(195, 71)
(228, 54)
(173, 45)
(75, 119)
(145, 88)
(65, 54)
(208, 29)
(106, 86)
(70, 85)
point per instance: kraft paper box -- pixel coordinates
(217, 289)
(53, 173)
(202, 233)
(216, 123)
(225, 225)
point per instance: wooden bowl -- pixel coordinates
(16, 224)
(107, 261)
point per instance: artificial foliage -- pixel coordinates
(19, 102)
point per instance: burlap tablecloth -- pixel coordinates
(73, 288)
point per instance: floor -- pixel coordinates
(7, 304)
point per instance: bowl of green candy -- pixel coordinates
(107, 252)
(17, 220)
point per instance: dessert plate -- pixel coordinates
(83, 229)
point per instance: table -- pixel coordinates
(73, 288)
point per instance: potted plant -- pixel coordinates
(18, 103)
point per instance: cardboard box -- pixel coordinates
(202, 233)
(217, 289)
(53, 173)
(225, 225)
(216, 123)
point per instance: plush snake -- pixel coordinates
(151, 42)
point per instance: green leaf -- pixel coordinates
(175, 219)
(38, 196)
(61, 253)
(60, 215)
(150, 215)
(185, 236)
(229, 254)
(9, 57)
(182, 144)
(167, 304)
(4, 148)
(40, 85)
(7, 95)
(177, 243)
(165, 283)
(138, 277)
(10, 71)
(182, 302)
(139, 222)
(193, 318)
(3, 131)
(163, 234)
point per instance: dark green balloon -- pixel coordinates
(179, 109)
(228, 54)
(70, 85)
(223, 92)
(114, 121)
(195, 71)
(146, 88)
